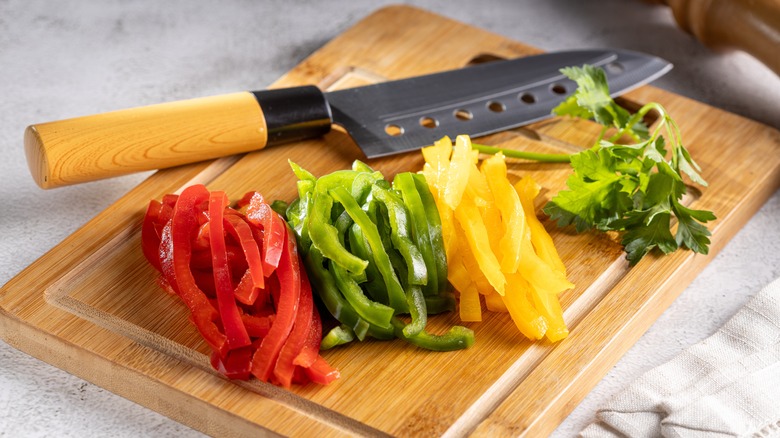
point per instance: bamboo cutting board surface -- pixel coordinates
(92, 305)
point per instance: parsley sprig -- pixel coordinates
(625, 182)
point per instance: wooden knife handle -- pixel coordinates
(752, 26)
(170, 134)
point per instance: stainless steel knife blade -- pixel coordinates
(383, 119)
(403, 115)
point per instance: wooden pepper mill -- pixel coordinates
(752, 26)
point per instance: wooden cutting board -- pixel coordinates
(92, 306)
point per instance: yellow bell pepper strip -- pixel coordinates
(458, 172)
(527, 189)
(512, 213)
(476, 235)
(495, 245)
(495, 302)
(437, 163)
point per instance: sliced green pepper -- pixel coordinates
(324, 236)
(434, 231)
(457, 338)
(396, 295)
(400, 235)
(404, 183)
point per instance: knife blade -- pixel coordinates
(386, 118)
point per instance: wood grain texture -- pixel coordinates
(169, 134)
(92, 307)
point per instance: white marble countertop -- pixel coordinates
(61, 59)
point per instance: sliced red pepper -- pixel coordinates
(150, 236)
(320, 372)
(183, 226)
(259, 213)
(246, 292)
(235, 331)
(256, 326)
(285, 365)
(236, 364)
(311, 346)
(288, 273)
(241, 231)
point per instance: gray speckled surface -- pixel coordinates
(61, 59)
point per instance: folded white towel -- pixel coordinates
(726, 385)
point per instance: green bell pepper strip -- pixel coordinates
(374, 284)
(401, 235)
(456, 338)
(395, 293)
(327, 290)
(339, 335)
(440, 303)
(434, 231)
(359, 166)
(372, 311)
(404, 183)
(324, 235)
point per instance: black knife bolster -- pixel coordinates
(294, 113)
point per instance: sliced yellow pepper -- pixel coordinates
(527, 189)
(476, 235)
(510, 208)
(496, 246)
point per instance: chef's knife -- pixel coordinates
(383, 119)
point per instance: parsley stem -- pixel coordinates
(513, 153)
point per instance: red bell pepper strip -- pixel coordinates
(288, 273)
(241, 231)
(320, 372)
(259, 213)
(150, 236)
(236, 365)
(246, 292)
(235, 331)
(177, 248)
(311, 346)
(285, 366)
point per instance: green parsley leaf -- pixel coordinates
(629, 187)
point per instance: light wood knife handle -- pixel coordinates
(170, 134)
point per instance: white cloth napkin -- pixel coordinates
(726, 385)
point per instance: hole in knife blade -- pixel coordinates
(558, 89)
(496, 107)
(463, 114)
(527, 98)
(394, 130)
(483, 58)
(615, 68)
(429, 122)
